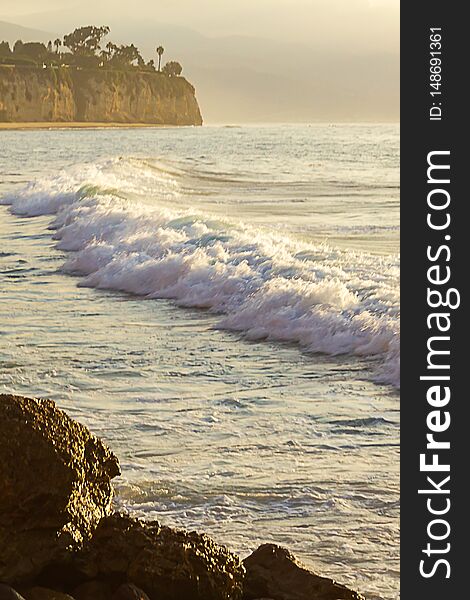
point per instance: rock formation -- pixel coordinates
(165, 563)
(55, 485)
(58, 540)
(8, 593)
(93, 95)
(273, 572)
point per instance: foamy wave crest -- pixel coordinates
(263, 285)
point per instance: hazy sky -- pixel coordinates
(288, 60)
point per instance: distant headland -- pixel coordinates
(77, 80)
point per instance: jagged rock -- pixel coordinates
(55, 485)
(8, 593)
(167, 564)
(128, 591)
(273, 572)
(40, 593)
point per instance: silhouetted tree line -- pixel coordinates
(83, 49)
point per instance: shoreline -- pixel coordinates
(76, 125)
(88, 550)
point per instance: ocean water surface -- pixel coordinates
(221, 305)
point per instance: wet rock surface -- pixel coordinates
(273, 572)
(8, 593)
(58, 540)
(164, 562)
(55, 485)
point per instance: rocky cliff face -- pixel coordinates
(65, 95)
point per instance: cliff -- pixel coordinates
(104, 96)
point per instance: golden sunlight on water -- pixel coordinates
(228, 413)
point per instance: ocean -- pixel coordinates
(221, 305)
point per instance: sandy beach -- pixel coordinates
(75, 125)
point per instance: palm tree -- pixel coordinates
(57, 44)
(160, 51)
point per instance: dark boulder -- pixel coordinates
(273, 572)
(55, 485)
(8, 593)
(167, 564)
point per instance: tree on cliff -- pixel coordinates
(85, 41)
(122, 56)
(5, 49)
(160, 51)
(33, 50)
(150, 66)
(86, 52)
(172, 68)
(108, 52)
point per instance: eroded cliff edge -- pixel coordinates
(93, 95)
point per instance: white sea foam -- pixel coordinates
(264, 285)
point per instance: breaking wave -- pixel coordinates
(115, 219)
